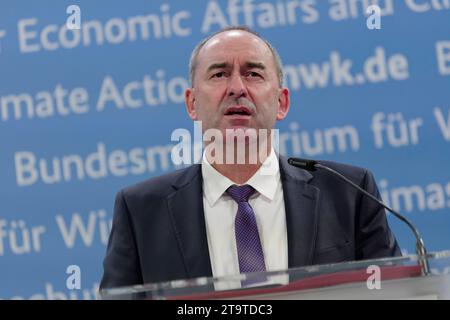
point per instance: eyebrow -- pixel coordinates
(217, 66)
(256, 65)
(248, 65)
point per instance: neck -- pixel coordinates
(240, 173)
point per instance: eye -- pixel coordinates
(219, 75)
(253, 74)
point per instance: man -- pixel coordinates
(222, 218)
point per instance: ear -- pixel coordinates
(283, 104)
(189, 99)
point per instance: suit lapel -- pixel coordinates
(187, 217)
(301, 205)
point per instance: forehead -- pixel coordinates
(229, 45)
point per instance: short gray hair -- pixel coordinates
(199, 46)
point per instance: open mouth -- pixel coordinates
(239, 111)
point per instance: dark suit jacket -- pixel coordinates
(159, 231)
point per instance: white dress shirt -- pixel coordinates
(220, 212)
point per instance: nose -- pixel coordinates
(236, 86)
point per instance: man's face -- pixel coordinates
(236, 84)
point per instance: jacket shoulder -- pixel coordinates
(344, 167)
(162, 185)
(358, 175)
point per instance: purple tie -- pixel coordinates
(248, 243)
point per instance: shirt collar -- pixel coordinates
(265, 180)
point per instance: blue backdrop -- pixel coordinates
(86, 112)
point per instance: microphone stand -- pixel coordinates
(312, 165)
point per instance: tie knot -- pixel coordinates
(240, 193)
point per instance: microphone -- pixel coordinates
(312, 165)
